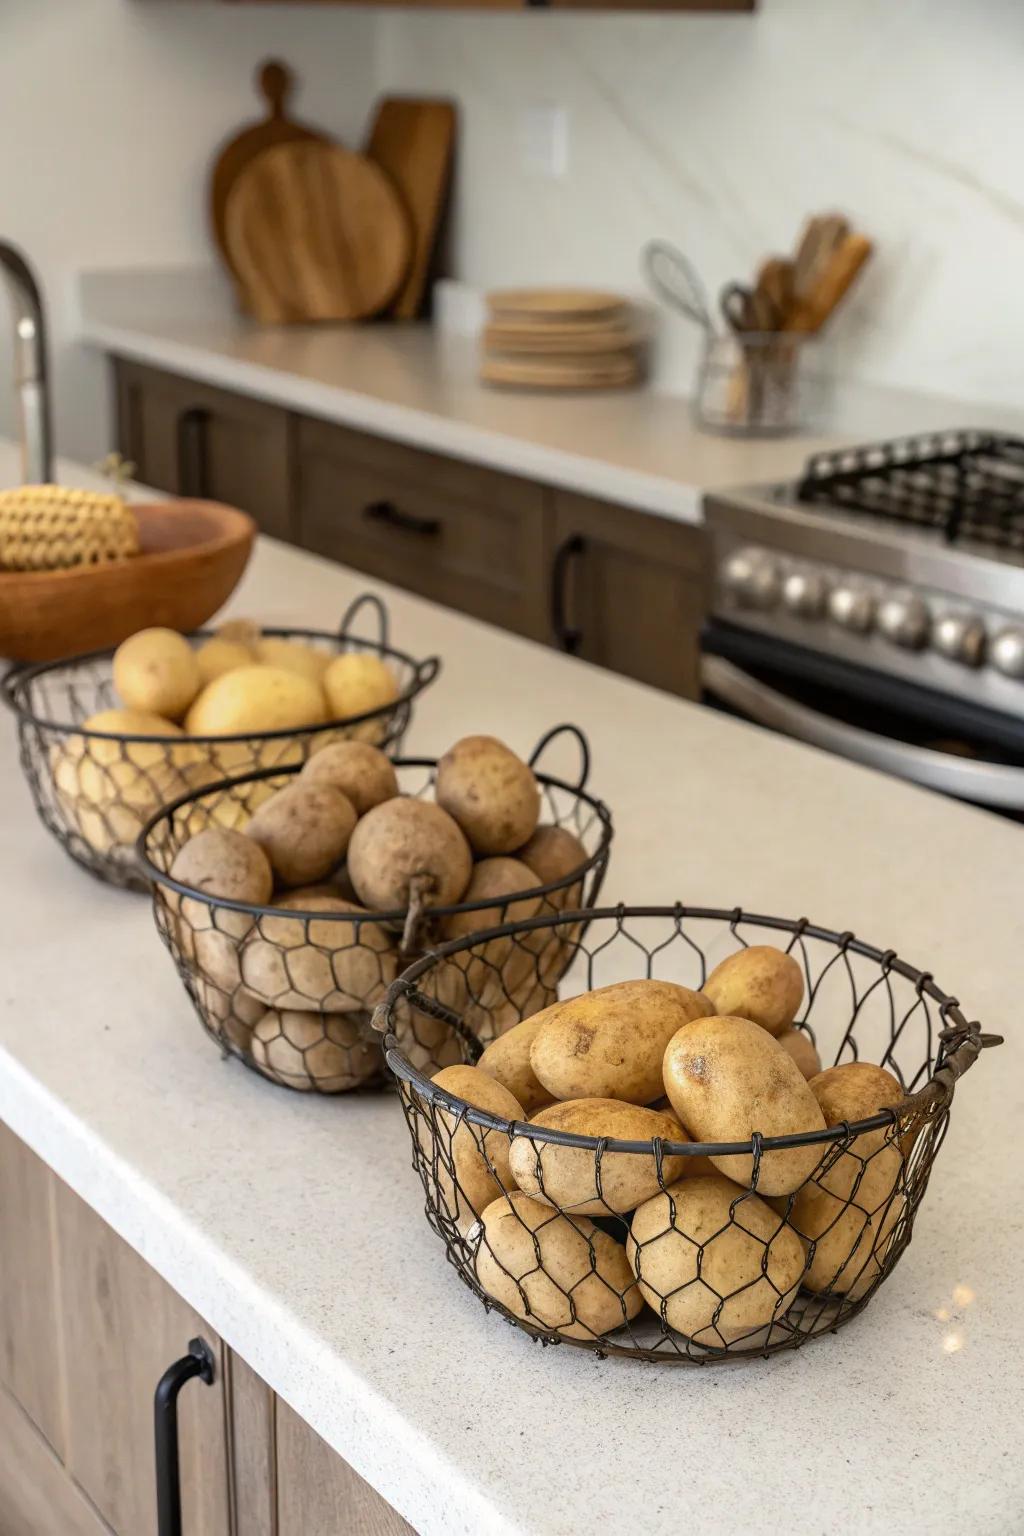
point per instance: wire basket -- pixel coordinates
(290, 990)
(95, 791)
(549, 1227)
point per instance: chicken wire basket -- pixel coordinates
(95, 791)
(291, 991)
(688, 1274)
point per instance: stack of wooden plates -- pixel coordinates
(561, 338)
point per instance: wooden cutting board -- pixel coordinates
(554, 306)
(414, 142)
(316, 233)
(569, 341)
(609, 372)
(275, 83)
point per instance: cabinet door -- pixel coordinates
(194, 440)
(627, 591)
(37, 1498)
(471, 538)
(318, 1492)
(121, 1326)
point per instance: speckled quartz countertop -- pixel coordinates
(295, 1225)
(420, 386)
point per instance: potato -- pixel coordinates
(224, 863)
(759, 983)
(328, 1052)
(304, 830)
(355, 683)
(609, 1044)
(568, 1176)
(469, 1164)
(856, 1091)
(324, 964)
(254, 699)
(428, 1042)
(555, 853)
(507, 1060)
(362, 772)
(798, 1044)
(713, 1260)
(403, 840)
(241, 632)
(500, 878)
(727, 1078)
(293, 656)
(231, 1015)
(491, 793)
(217, 656)
(557, 1274)
(156, 670)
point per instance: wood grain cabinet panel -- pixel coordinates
(318, 1493)
(194, 440)
(627, 591)
(471, 538)
(37, 1498)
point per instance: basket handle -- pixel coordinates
(964, 1043)
(8, 681)
(426, 671)
(582, 742)
(366, 600)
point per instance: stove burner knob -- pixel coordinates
(960, 637)
(1006, 652)
(903, 619)
(751, 575)
(803, 593)
(852, 607)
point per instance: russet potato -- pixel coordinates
(798, 1044)
(329, 963)
(361, 771)
(157, 670)
(555, 853)
(568, 1177)
(759, 983)
(304, 830)
(558, 1275)
(714, 1260)
(609, 1043)
(251, 700)
(727, 1078)
(471, 1167)
(403, 840)
(232, 1014)
(507, 1060)
(491, 793)
(226, 864)
(327, 1052)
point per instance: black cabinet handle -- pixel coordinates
(193, 477)
(198, 1362)
(567, 636)
(408, 522)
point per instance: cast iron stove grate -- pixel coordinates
(964, 484)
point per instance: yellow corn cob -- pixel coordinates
(49, 527)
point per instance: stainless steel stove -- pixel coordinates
(876, 608)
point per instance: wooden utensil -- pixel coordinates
(275, 83)
(775, 286)
(821, 235)
(317, 233)
(830, 285)
(414, 142)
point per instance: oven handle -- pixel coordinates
(992, 784)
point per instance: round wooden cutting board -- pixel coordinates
(554, 305)
(315, 232)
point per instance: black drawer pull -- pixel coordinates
(408, 522)
(198, 1362)
(567, 636)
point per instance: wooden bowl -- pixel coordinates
(193, 555)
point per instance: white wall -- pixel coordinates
(720, 133)
(110, 112)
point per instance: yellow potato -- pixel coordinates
(304, 830)
(507, 1060)
(609, 1044)
(557, 1274)
(293, 656)
(254, 699)
(568, 1176)
(404, 840)
(322, 964)
(217, 655)
(157, 670)
(361, 771)
(759, 983)
(469, 1164)
(491, 793)
(356, 683)
(713, 1260)
(330, 1053)
(798, 1044)
(727, 1078)
(555, 853)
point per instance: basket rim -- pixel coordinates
(158, 877)
(965, 1039)
(424, 673)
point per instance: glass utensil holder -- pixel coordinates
(753, 383)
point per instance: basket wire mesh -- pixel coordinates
(95, 792)
(642, 1248)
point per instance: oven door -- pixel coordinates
(942, 743)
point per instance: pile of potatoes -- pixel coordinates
(238, 682)
(342, 845)
(717, 1248)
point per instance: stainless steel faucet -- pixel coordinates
(30, 379)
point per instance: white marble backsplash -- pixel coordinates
(720, 133)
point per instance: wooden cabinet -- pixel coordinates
(467, 537)
(193, 440)
(628, 591)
